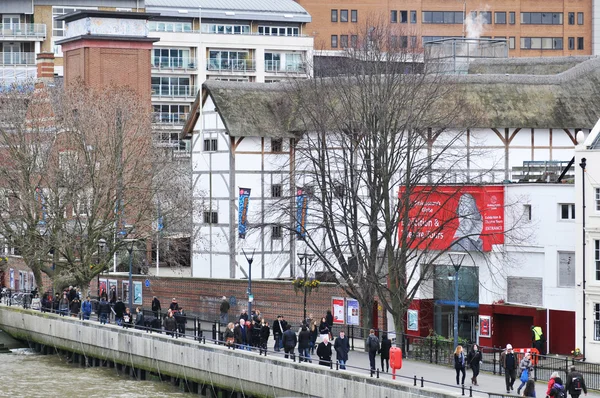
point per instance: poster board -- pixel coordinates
(11, 274)
(485, 326)
(337, 304)
(125, 289)
(137, 293)
(412, 320)
(352, 312)
(112, 283)
(102, 287)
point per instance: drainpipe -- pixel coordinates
(583, 165)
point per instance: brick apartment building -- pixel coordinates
(532, 29)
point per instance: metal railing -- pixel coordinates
(229, 65)
(173, 63)
(23, 30)
(169, 118)
(21, 58)
(163, 90)
(276, 67)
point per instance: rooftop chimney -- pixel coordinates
(45, 66)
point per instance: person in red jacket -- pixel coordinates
(553, 376)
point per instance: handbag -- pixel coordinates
(525, 375)
(230, 341)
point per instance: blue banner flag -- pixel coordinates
(301, 211)
(243, 212)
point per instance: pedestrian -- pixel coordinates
(329, 319)
(342, 348)
(459, 364)
(304, 344)
(156, 307)
(224, 311)
(529, 390)
(324, 329)
(119, 309)
(75, 307)
(289, 342)
(181, 320)
(46, 302)
(139, 318)
(509, 361)
(525, 367)
(174, 306)
(72, 293)
(553, 377)
(308, 321)
(537, 338)
(575, 383)
(265, 332)
(103, 310)
(170, 324)
(113, 295)
(244, 315)
(55, 302)
(229, 336)
(127, 318)
(86, 308)
(324, 352)
(384, 351)
(314, 333)
(242, 335)
(278, 329)
(474, 360)
(373, 347)
(63, 305)
(558, 389)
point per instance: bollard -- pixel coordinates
(214, 332)
(203, 340)
(462, 389)
(471, 391)
(337, 365)
(415, 381)
(330, 364)
(371, 372)
(378, 373)
(422, 381)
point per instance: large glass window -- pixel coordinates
(334, 41)
(500, 17)
(171, 58)
(278, 30)
(343, 15)
(272, 62)
(413, 16)
(580, 43)
(579, 18)
(597, 258)
(227, 29)
(596, 322)
(486, 17)
(511, 17)
(334, 15)
(443, 17)
(170, 26)
(541, 43)
(354, 16)
(541, 18)
(566, 269)
(394, 16)
(224, 60)
(172, 86)
(171, 113)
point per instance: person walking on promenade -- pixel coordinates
(575, 383)
(156, 307)
(112, 296)
(74, 307)
(56, 303)
(174, 306)
(529, 390)
(181, 319)
(139, 318)
(525, 367)
(558, 389)
(170, 324)
(244, 315)
(86, 308)
(329, 319)
(324, 352)
(224, 311)
(265, 332)
(127, 318)
(63, 305)
(229, 335)
(372, 347)
(342, 348)
(304, 344)
(314, 333)
(324, 329)
(46, 302)
(278, 329)
(119, 309)
(384, 351)
(103, 311)
(551, 381)
(459, 364)
(474, 360)
(289, 342)
(509, 361)
(242, 335)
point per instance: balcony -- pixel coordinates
(275, 67)
(231, 65)
(23, 31)
(17, 59)
(173, 63)
(169, 118)
(166, 91)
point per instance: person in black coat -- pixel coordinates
(103, 311)
(156, 307)
(278, 329)
(119, 311)
(473, 360)
(342, 348)
(324, 329)
(386, 345)
(181, 320)
(324, 352)
(139, 319)
(289, 342)
(329, 319)
(265, 332)
(242, 335)
(170, 324)
(304, 344)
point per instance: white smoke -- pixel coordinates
(474, 25)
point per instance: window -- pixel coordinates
(172, 113)
(354, 16)
(580, 43)
(511, 43)
(579, 18)
(223, 60)
(566, 269)
(334, 41)
(597, 322)
(542, 18)
(276, 190)
(413, 41)
(344, 41)
(394, 16)
(413, 16)
(527, 212)
(403, 41)
(486, 17)
(597, 190)
(170, 26)
(571, 43)
(227, 29)
(172, 86)
(334, 16)
(541, 43)
(571, 18)
(278, 31)
(403, 16)
(567, 211)
(500, 17)
(171, 58)
(443, 17)
(354, 41)
(211, 217)
(276, 144)
(597, 258)
(343, 15)
(210, 145)
(276, 232)
(511, 17)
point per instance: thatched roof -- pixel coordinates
(563, 100)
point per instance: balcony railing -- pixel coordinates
(10, 58)
(162, 90)
(173, 63)
(277, 68)
(23, 30)
(231, 65)
(169, 118)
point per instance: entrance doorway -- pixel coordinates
(467, 322)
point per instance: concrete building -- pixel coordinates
(532, 29)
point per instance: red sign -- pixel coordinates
(337, 305)
(455, 218)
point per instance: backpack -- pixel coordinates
(558, 391)
(576, 384)
(373, 343)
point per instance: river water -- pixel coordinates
(24, 373)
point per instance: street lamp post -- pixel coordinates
(250, 297)
(305, 259)
(456, 258)
(101, 246)
(130, 288)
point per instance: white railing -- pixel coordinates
(10, 58)
(164, 90)
(35, 30)
(169, 118)
(230, 65)
(277, 68)
(173, 63)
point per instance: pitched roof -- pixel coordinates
(563, 100)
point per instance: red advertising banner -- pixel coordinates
(456, 218)
(337, 304)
